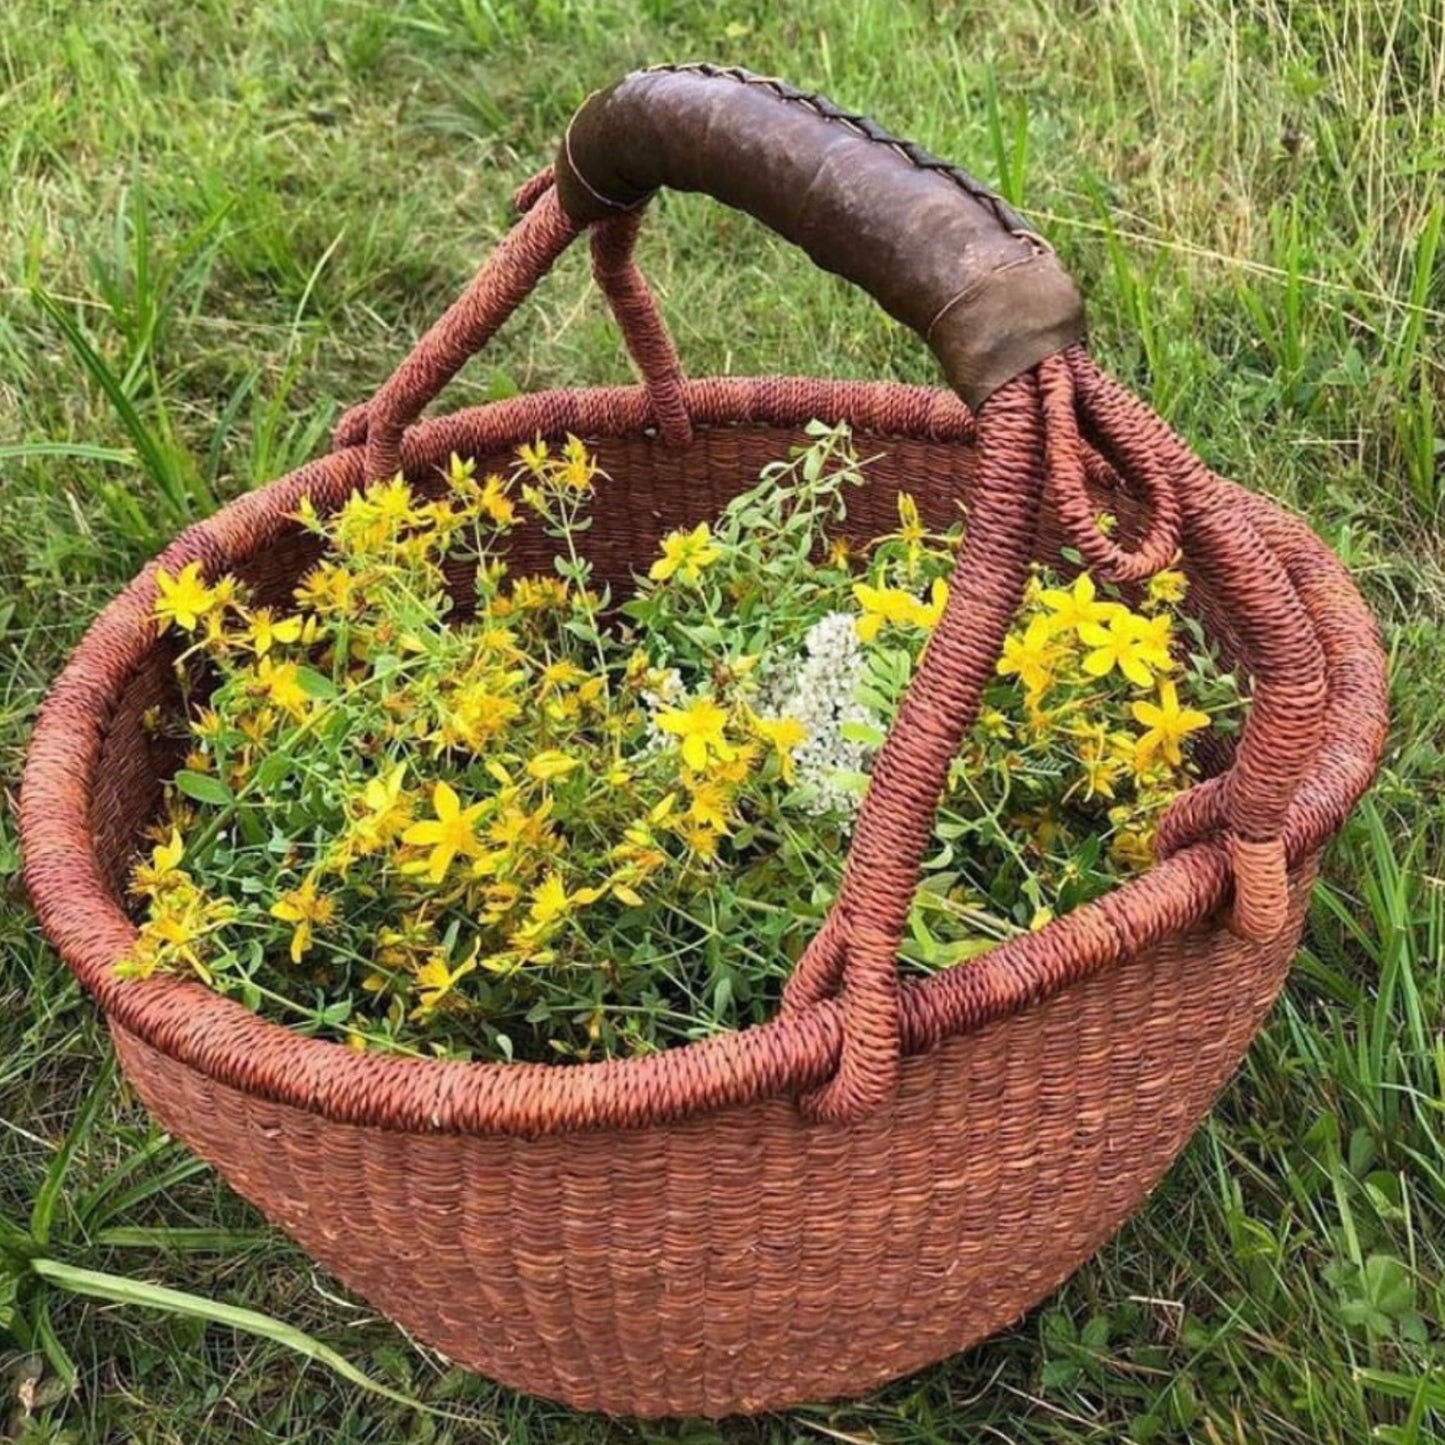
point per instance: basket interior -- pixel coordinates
(649, 490)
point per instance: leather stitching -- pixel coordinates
(915, 155)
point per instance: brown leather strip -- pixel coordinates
(936, 249)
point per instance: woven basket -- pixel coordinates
(887, 1171)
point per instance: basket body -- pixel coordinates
(749, 1260)
(731, 1259)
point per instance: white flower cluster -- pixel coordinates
(820, 694)
(667, 691)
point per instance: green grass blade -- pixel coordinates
(160, 467)
(55, 1351)
(1406, 1387)
(111, 1202)
(182, 1240)
(118, 1289)
(47, 1198)
(75, 451)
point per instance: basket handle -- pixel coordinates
(935, 248)
(942, 254)
(948, 258)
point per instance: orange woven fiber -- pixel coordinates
(888, 1170)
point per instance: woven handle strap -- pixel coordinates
(943, 255)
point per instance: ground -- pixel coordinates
(221, 224)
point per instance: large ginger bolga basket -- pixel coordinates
(888, 1171)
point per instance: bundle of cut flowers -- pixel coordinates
(538, 820)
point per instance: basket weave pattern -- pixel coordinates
(888, 1170)
(689, 1269)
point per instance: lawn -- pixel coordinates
(220, 225)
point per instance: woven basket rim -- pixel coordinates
(794, 1051)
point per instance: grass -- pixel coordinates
(220, 224)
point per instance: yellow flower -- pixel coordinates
(910, 529)
(785, 734)
(897, 606)
(281, 683)
(327, 589)
(709, 804)
(538, 594)
(402, 946)
(1078, 606)
(435, 981)
(880, 605)
(557, 675)
(514, 827)
(385, 812)
(1156, 635)
(1123, 646)
(163, 869)
(500, 900)
(450, 832)
(214, 637)
(702, 728)
(552, 764)
(1031, 657)
(308, 910)
(264, 632)
(1167, 725)
(478, 712)
(1167, 587)
(736, 770)
(1132, 848)
(173, 936)
(533, 456)
(1099, 764)
(494, 503)
(927, 614)
(551, 903)
(994, 724)
(578, 468)
(700, 840)
(685, 554)
(257, 727)
(208, 725)
(184, 599)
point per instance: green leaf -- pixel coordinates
(1406, 1387)
(314, 684)
(272, 768)
(1388, 1285)
(204, 788)
(77, 451)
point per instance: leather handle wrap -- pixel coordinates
(937, 250)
